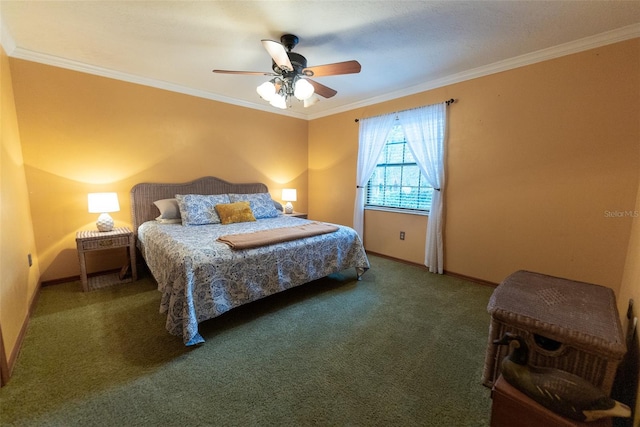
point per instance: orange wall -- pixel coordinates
(536, 158)
(83, 133)
(383, 229)
(18, 281)
(630, 289)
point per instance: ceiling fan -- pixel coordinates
(291, 74)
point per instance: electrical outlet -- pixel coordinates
(402, 235)
(30, 260)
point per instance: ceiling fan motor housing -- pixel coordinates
(298, 62)
(289, 41)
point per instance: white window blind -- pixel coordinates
(397, 181)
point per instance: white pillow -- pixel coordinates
(168, 208)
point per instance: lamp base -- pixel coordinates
(288, 208)
(105, 222)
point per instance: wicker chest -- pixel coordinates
(568, 325)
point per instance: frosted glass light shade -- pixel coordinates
(303, 89)
(289, 195)
(278, 101)
(102, 203)
(313, 99)
(266, 90)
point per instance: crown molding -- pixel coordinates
(7, 42)
(55, 61)
(591, 42)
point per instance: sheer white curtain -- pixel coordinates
(373, 136)
(425, 131)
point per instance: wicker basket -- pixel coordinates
(568, 325)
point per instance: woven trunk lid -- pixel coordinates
(577, 313)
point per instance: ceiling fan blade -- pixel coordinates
(346, 67)
(322, 90)
(251, 73)
(278, 54)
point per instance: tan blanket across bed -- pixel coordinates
(276, 235)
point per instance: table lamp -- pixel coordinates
(288, 195)
(103, 203)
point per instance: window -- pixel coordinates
(397, 181)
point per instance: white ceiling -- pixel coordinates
(404, 46)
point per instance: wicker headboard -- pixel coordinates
(143, 195)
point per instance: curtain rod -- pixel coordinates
(448, 102)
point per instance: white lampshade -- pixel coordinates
(278, 101)
(102, 203)
(289, 195)
(266, 90)
(303, 89)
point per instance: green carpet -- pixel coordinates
(400, 347)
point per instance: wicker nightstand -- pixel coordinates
(297, 215)
(88, 241)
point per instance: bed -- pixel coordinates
(201, 277)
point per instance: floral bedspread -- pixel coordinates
(201, 278)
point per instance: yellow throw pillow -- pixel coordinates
(235, 212)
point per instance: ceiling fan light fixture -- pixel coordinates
(279, 101)
(266, 90)
(290, 75)
(303, 89)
